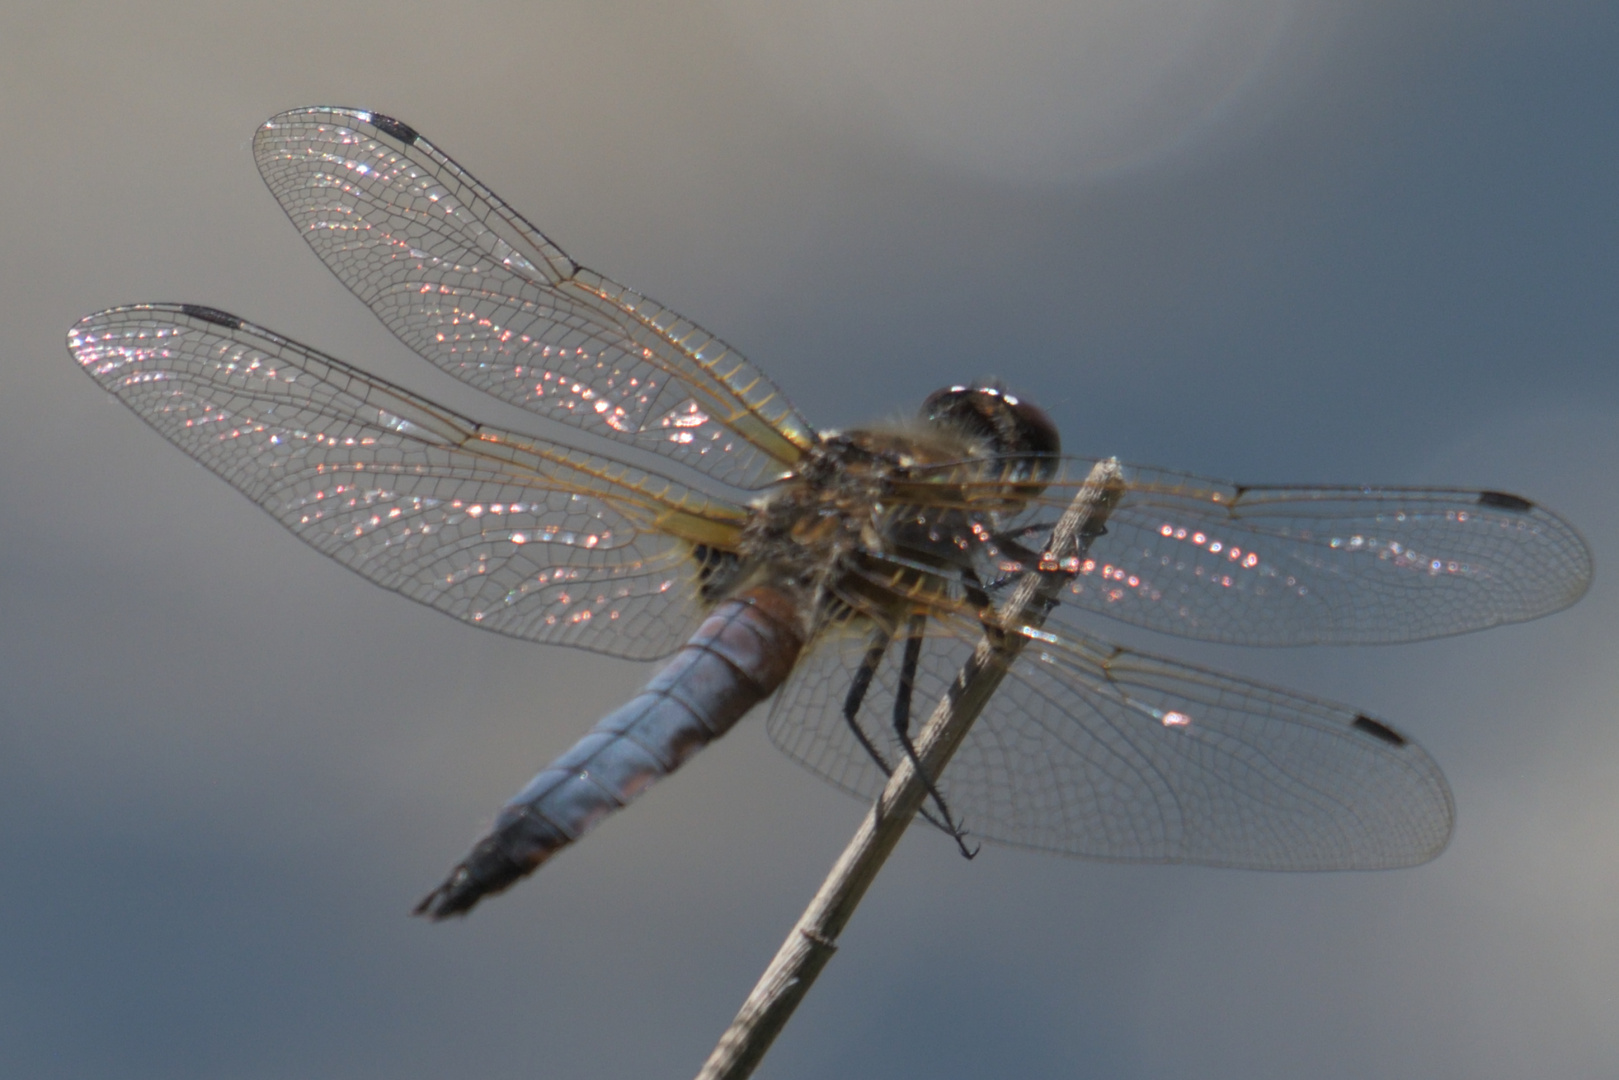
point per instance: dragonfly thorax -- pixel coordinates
(878, 492)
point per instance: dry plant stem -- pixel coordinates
(814, 939)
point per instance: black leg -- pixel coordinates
(1028, 558)
(907, 677)
(978, 597)
(851, 709)
(1009, 543)
(857, 694)
(902, 729)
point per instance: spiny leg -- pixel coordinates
(902, 729)
(880, 642)
(1029, 557)
(857, 694)
(1009, 543)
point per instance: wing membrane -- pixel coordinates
(1273, 565)
(1091, 750)
(465, 281)
(517, 536)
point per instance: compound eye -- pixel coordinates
(951, 403)
(979, 410)
(1012, 426)
(1038, 434)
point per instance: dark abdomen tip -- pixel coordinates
(487, 870)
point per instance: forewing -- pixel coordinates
(1273, 565)
(465, 281)
(1099, 752)
(517, 536)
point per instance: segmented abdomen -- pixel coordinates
(737, 658)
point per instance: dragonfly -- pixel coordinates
(676, 505)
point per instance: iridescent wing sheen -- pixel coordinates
(465, 281)
(1091, 750)
(504, 532)
(1274, 565)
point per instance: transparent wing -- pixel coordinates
(465, 281)
(516, 536)
(1091, 750)
(1273, 565)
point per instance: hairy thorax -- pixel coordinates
(854, 495)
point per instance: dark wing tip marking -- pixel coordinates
(1500, 500)
(397, 128)
(213, 315)
(1376, 730)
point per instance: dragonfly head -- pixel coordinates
(1010, 425)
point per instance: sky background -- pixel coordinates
(1271, 240)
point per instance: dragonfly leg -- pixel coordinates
(857, 694)
(977, 594)
(851, 708)
(1027, 558)
(1009, 542)
(902, 729)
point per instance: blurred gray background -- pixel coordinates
(1273, 240)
